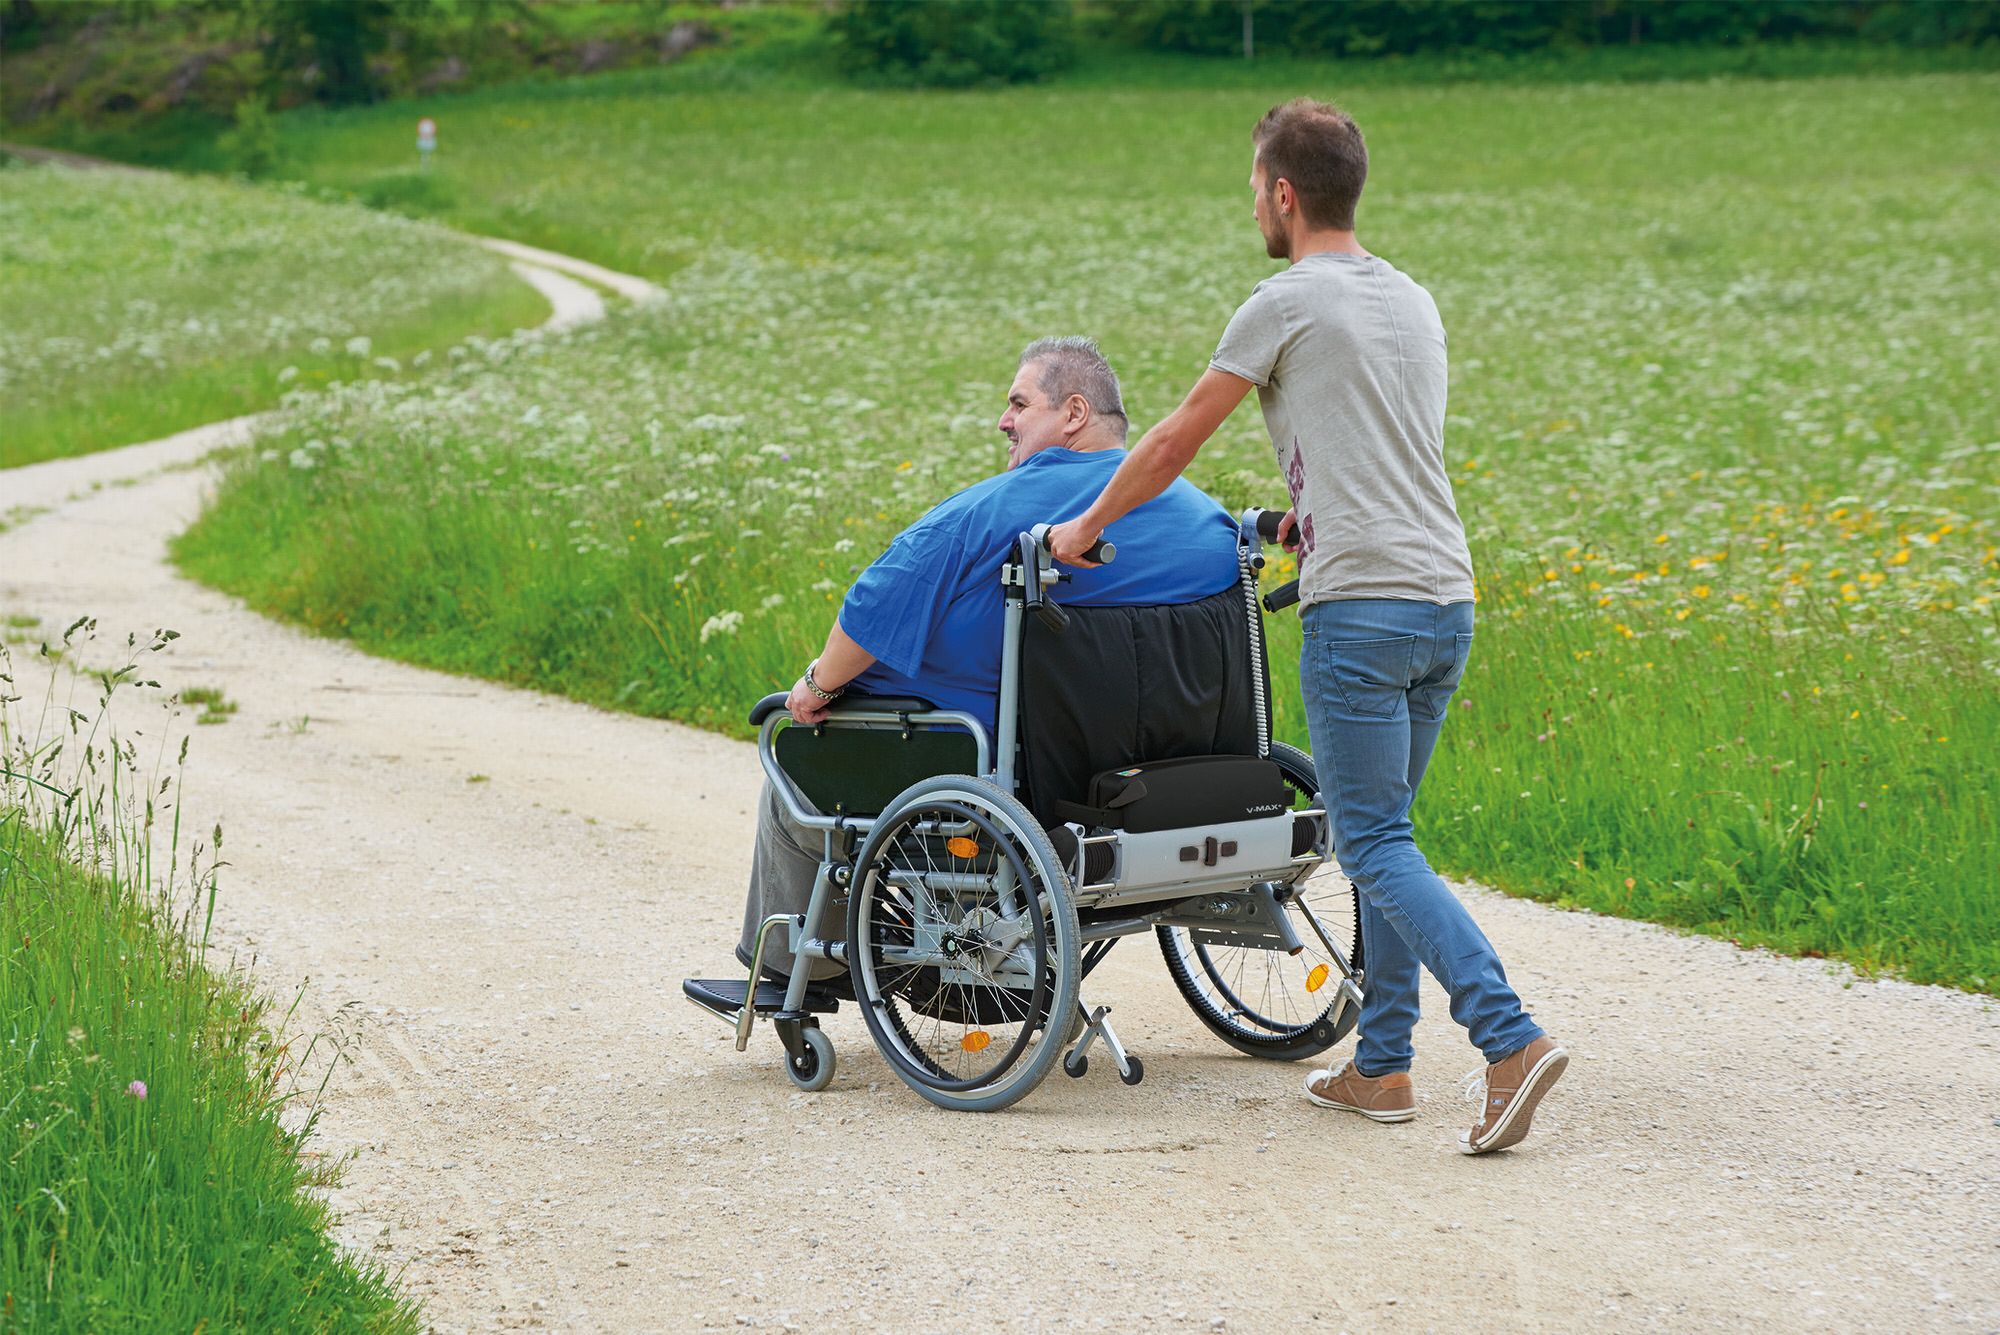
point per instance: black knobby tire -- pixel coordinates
(993, 958)
(1256, 1000)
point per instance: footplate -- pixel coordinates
(724, 997)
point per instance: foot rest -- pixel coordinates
(727, 994)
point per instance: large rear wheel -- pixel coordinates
(1264, 1002)
(964, 943)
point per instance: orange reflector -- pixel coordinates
(962, 847)
(1316, 979)
(976, 1041)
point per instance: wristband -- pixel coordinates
(825, 696)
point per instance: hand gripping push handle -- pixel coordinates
(1101, 551)
(1266, 523)
(1038, 571)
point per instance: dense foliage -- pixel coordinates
(953, 43)
(1405, 27)
(188, 64)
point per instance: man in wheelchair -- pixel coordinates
(924, 621)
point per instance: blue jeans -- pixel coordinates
(1378, 675)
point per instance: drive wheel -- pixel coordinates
(1264, 1002)
(964, 942)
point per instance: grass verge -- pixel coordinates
(152, 1165)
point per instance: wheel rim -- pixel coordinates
(953, 946)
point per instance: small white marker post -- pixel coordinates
(427, 141)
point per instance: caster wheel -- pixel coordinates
(812, 1070)
(1074, 1067)
(1136, 1074)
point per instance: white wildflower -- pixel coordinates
(722, 623)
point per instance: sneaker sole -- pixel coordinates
(1516, 1122)
(1394, 1115)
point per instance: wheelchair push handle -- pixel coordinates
(1278, 599)
(1101, 551)
(1266, 523)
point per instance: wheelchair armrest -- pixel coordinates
(886, 704)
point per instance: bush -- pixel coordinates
(251, 147)
(952, 43)
(416, 193)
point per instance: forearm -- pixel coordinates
(841, 661)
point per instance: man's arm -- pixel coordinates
(839, 663)
(1155, 461)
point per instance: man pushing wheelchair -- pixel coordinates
(980, 893)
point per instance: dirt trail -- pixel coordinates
(501, 892)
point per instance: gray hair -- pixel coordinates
(1073, 365)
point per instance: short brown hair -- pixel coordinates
(1318, 148)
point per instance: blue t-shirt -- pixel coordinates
(930, 608)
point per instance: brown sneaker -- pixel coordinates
(1507, 1092)
(1384, 1098)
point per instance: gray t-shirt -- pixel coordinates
(1348, 356)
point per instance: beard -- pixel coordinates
(1276, 245)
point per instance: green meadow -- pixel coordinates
(137, 305)
(1723, 431)
(154, 1125)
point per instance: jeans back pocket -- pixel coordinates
(1371, 675)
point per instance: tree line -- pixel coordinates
(959, 42)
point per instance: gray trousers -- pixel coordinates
(782, 871)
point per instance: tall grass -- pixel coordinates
(1722, 431)
(139, 305)
(152, 1162)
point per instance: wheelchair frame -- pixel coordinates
(1250, 905)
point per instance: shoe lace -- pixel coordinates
(1334, 1073)
(1474, 1087)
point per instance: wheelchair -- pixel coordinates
(1133, 787)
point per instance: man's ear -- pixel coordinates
(1076, 414)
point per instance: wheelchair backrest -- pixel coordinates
(1126, 685)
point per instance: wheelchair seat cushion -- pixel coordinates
(1124, 686)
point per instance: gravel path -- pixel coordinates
(495, 894)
